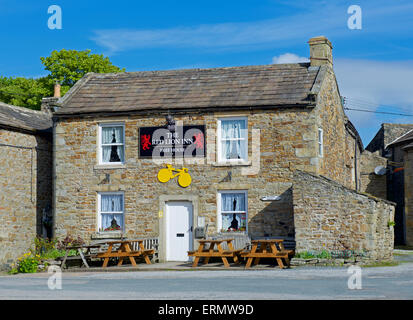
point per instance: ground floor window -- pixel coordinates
(111, 211)
(232, 210)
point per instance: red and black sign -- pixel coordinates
(159, 142)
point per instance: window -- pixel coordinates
(232, 139)
(111, 211)
(320, 143)
(232, 211)
(112, 147)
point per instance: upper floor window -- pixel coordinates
(232, 139)
(112, 143)
(320, 143)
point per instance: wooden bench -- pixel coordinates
(259, 250)
(206, 251)
(83, 256)
(124, 251)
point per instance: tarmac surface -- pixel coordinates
(179, 281)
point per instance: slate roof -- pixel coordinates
(234, 87)
(409, 146)
(24, 118)
(407, 137)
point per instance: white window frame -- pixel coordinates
(99, 213)
(100, 145)
(219, 211)
(219, 142)
(320, 142)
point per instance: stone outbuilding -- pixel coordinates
(235, 137)
(25, 178)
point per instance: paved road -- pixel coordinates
(299, 283)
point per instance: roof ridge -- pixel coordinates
(19, 108)
(199, 69)
(399, 138)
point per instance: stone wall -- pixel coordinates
(387, 134)
(408, 193)
(329, 216)
(372, 183)
(25, 180)
(340, 153)
(79, 178)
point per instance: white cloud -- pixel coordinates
(383, 17)
(289, 58)
(384, 86)
(380, 82)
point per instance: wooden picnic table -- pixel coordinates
(83, 255)
(125, 251)
(272, 248)
(206, 250)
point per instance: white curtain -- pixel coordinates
(233, 202)
(110, 204)
(233, 129)
(112, 135)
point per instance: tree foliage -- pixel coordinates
(68, 66)
(25, 92)
(65, 67)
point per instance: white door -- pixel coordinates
(179, 224)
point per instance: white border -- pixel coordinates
(219, 146)
(99, 151)
(219, 216)
(99, 217)
(320, 154)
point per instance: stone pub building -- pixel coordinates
(240, 149)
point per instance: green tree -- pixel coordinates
(25, 92)
(64, 66)
(68, 66)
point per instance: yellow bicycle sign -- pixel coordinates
(166, 174)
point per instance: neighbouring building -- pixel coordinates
(391, 142)
(401, 152)
(237, 137)
(25, 179)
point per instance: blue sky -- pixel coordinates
(374, 65)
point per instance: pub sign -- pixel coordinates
(184, 141)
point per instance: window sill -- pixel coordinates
(108, 235)
(109, 166)
(231, 163)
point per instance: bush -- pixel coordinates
(28, 263)
(44, 249)
(311, 255)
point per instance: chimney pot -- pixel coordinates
(56, 90)
(320, 51)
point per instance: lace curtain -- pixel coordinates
(112, 153)
(233, 221)
(233, 139)
(111, 208)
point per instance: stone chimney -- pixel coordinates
(56, 90)
(320, 51)
(48, 104)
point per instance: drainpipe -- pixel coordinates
(355, 164)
